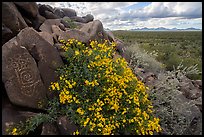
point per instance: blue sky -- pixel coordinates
(130, 15)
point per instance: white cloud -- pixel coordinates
(114, 15)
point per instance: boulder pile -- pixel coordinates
(31, 54)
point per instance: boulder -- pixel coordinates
(121, 48)
(12, 115)
(30, 8)
(45, 54)
(47, 36)
(7, 34)
(50, 15)
(49, 129)
(47, 25)
(69, 12)
(43, 8)
(12, 18)
(95, 30)
(78, 19)
(56, 30)
(79, 25)
(38, 21)
(66, 126)
(21, 76)
(75, 34)
(110, 35)
(88, 18)
(59, 12)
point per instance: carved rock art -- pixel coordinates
(21, 76)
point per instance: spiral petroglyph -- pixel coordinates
(24, 74)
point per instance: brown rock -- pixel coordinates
(38, 21)
(95, 30)
(43, 8)
(49, 129)
(21, 76)
(66, 126)
(12, 18)
(46, 55)
(30, 8)
(47, 36)
(47, 25)
(110, 36)
(59, 12)
(56, 30)
(50, 15)
(7, 34)
(12, 115)
(76, 34)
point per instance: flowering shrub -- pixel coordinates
(99, 93)
(102, 93)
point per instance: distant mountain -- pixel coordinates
(162, 29)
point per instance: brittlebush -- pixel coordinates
(101, 94)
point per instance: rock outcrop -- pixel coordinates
(31, 54)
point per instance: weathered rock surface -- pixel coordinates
(47, 36)
(30, 8)
(7, 34)
(88, 18)
(43, 8)
(69, 12)
(12, 115)
(50, 15)
(78, 19)
(49, 129)
(47, 25)
(45, 54)
(14, 21)
(66, 126)
(21, 76)
(95, 30)
(76, 34)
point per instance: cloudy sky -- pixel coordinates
(130, 15)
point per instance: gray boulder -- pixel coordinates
(69, 12)
(88, 18)
(21, 76)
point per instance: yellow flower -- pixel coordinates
(76, 133)
(76, 53)
(80, 111)
(14, 131)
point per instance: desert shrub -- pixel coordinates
(144, 59)
(100, 94)
(71, 23)
(173, 110)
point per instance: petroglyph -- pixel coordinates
(28, 81)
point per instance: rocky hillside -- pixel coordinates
(31, 53)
